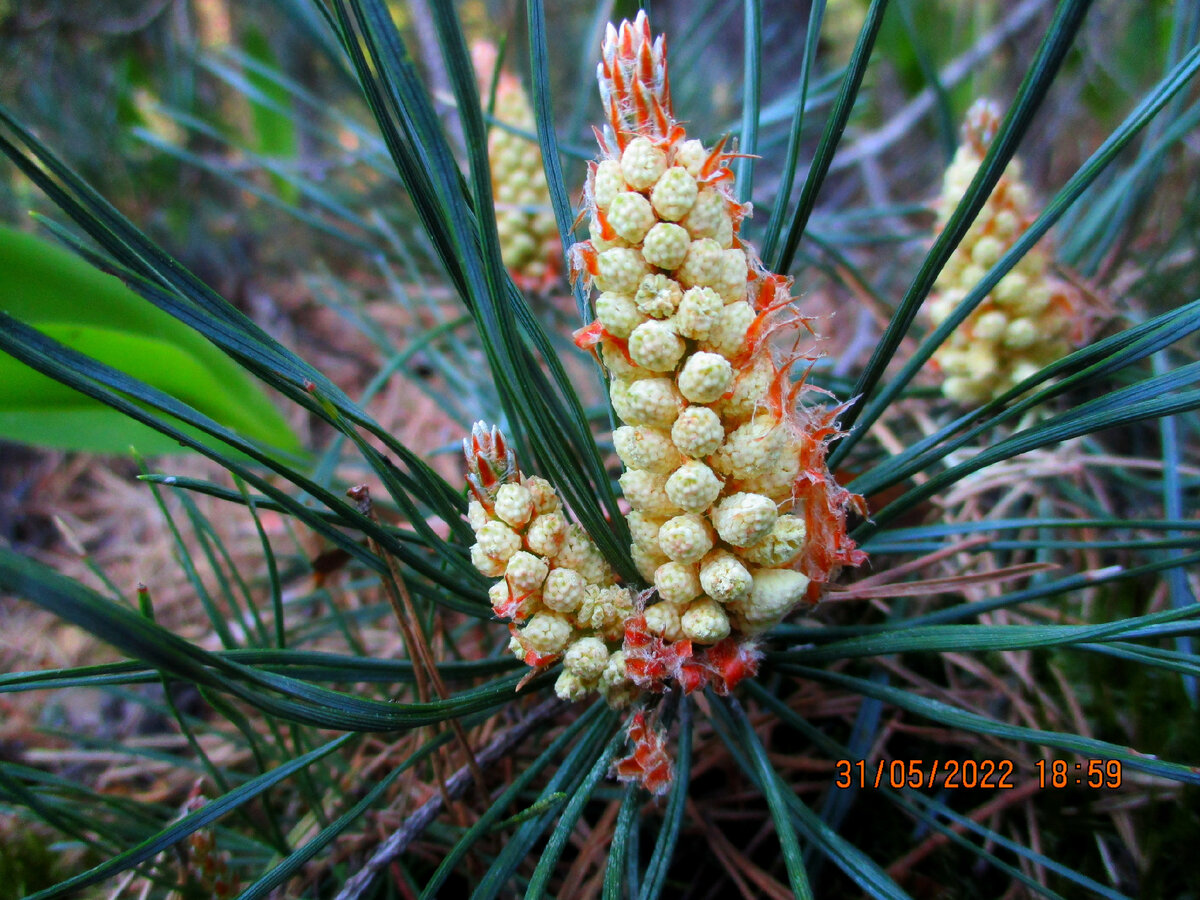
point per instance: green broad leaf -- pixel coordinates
(89, 429)
(95, 314)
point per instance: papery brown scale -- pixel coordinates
(613, 73)
(532, 658)
(636, 632)
(734, 661)
(637, 727)
(620, 343)
(649, 764)
(771, 284)
(713, 161)
(625, 46)
(615, 116)
(675, 133)
(827, 547)
(659, 777)
(628, 768)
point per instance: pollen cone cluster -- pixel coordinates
(735, 519)
(1026, 322)
(529, 243)
(554, 587)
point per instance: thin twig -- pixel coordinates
(927, 561)
(955, 71)
(414, 636)
(421, 819)
(938, 585)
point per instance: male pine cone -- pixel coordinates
(1027, 321)
(736, 518)
(529, 242)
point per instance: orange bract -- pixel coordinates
(650, 764)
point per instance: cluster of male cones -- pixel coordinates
(529, 242)
(735, 517)
(1031, 318)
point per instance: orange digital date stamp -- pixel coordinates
(994, 774)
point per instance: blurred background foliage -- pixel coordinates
(160, 102)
